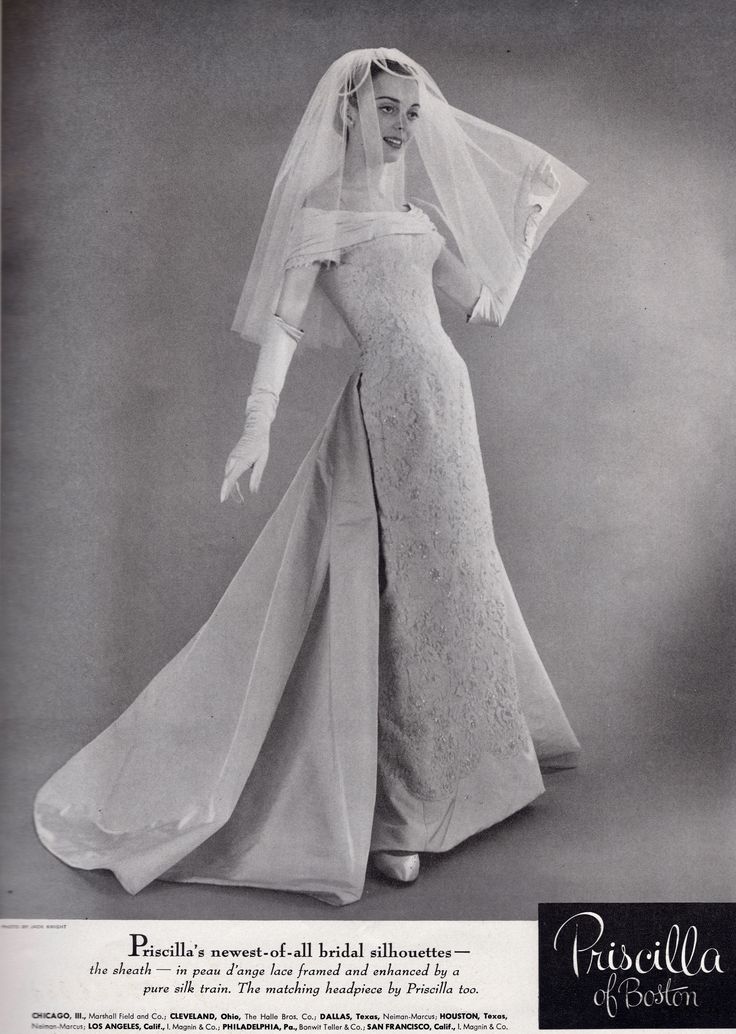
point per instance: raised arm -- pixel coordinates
(273, 363)
(465, 289)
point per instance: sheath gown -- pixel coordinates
(367, 680)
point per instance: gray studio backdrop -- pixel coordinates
(141, 141)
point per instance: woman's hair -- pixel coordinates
(389, 65)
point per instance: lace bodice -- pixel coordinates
(383, 290)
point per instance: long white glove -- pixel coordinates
(484, 310)
(252, 449)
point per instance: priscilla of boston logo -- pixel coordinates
(660, 965)
(583, 937)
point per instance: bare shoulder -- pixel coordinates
(324, 195)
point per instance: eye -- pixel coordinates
(413, 115)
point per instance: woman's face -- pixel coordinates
(397, 107)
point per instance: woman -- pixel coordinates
(375, 590)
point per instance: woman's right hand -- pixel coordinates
(276, 352)
(250, 451)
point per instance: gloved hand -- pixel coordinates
(253, 446)
(252, 449)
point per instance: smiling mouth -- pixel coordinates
(394, 141)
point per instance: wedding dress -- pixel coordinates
(367, 680)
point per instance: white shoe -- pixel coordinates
(397, 865)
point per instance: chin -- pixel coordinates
(390, 155)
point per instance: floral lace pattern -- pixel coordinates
(447, 693)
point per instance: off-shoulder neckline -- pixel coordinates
(409, 209)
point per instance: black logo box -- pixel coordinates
(661, 965)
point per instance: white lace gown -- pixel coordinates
(367, 681)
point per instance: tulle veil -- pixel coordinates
(493, 194)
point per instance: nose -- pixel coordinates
(401, 122)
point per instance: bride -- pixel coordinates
(366, 685)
